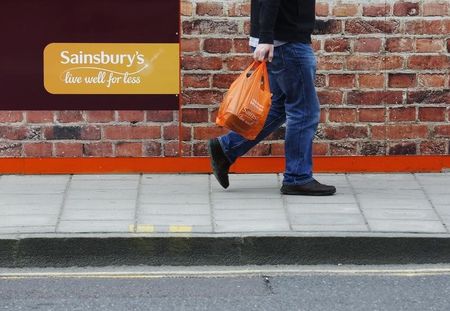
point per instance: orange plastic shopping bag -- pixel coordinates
(246, 105)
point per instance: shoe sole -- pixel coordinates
(317, 194)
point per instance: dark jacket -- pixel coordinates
(284, 20)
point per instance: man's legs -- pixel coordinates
(302, 117)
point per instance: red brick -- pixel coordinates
(69, 116)
(402, 80)
(402, 114)
(37, 150)
(432, 147)
(209, 26)
(277, 149)
(368, 45)
(342, 81)
(429, 62)
(343, 115)
(125, 149)
(424, 27)
(131, 132)
(16, 132)
(330, 26)
(98, 149)
(431, 80)
(429, 45)
(209, 8)
(132, 116)
(399, 131)
(343, 148)
(376, 10)
(345, 131)
(194, 115)
(8, 150)
(11, 116)
(330, 97)
(259, 150)
(399, 45)
(375, 97)
(322, 9)
(217, 45)
(406, 8)
(69, 150)
(377, 63)
(360, 26)
(316, 45)
(331, 62)
(224, 81)
(323, 115)
(342, 10)
(432, 114)
(153, 149)
(247, 28)
(239, 9)
(371, 81)
(320, 148)
(372, 115)
(100, 116)
(90, 132)
(429, 97)
(201, 149)
(372, 148)
(186, 8)
(442, 131)
(241, 45)
(202, 97)
(201, 133)
(403, 148)
(39, 116)
(159, 116)
(435, 8)
(337, 45)
(190, 45)
(171, 149)
(238, 63)
(171, 132)
(196, 81)
(201, 62)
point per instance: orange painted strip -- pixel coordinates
(201, 165)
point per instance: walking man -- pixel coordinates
(281, 33)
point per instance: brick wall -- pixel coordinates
(382, 80)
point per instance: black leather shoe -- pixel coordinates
(219, 162)
(312, 188)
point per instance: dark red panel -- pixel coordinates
(27, 26)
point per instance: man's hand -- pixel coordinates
(263, 51)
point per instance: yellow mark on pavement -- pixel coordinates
(141, 228)
(174, 229)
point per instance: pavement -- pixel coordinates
(45, 208)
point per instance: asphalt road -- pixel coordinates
(322, 289)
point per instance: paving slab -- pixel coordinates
(121, 214)
(99, 204)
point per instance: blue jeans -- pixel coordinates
(294, 101)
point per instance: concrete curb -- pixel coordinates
(225, 251)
